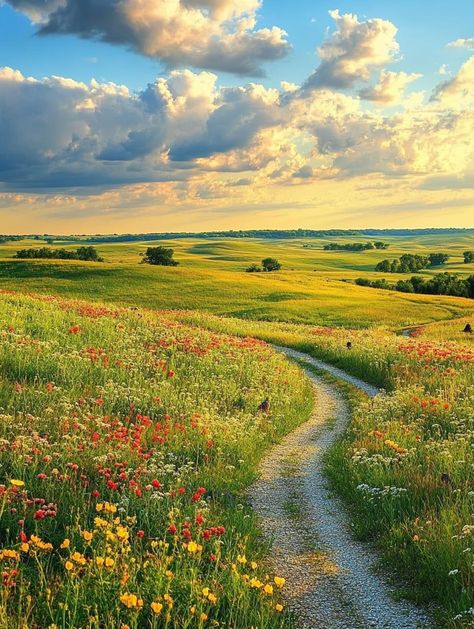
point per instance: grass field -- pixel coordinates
(405, 465)
(100, 400)
(309, 289)
(126, 441)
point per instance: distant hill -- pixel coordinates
(247, 233)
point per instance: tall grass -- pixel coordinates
(406, 464)
(127, 440)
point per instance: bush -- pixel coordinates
(162, 256)
(468, 257)
(271, 264)
(254, 268)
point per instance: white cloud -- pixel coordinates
(462, 43)
(390, 88)
(353, 51)
(457, 92)
(210, 34)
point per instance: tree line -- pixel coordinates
(88, 254)
(411, 263)
(355, 246)
(439, 284)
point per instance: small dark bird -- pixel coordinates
(468, 328)
(349, 345)
(265, 406)
(445, 478)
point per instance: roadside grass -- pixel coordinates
(405, 464)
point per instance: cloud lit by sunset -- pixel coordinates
(198, 114)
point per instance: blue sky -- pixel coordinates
(205, 115)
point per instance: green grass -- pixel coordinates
(211, 277)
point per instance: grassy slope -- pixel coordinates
(308, 290)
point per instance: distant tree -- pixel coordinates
(468, 257)
(89, 254)
(162, 256)
(384, 266)
(435, 259)
(470, 286)
(439, 284)
(49, 241)
(254, 268)
(378, 244)
(405, 286)
(271, 264)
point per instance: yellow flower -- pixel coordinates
(268, 589)
(205, 592)
(255, 583)
(279, 607)
(242, 559)
(99, 506)
(65, 544)
(212, 598)
(17, 483)
(25, 547)
(169, 574)
(416, 538)
(168, 599)
(99, 561)
(78, 558)
(69, 565)
(279, 581)
(131, 600)
(122, 533)
(253, 565)
(87, 535)
(194, 548)
(204, 617)
(156, 607)
(109, 562)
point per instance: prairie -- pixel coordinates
(211, 277)
(126, 441)
(137, 413)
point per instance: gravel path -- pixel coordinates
(331, 582)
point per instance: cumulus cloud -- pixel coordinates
(390, 88)
(353, 51)
(462, 43)
(209, 34)
(57, 132)
(457, 92)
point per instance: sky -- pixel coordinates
(190, 115)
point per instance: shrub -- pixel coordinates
(162, 256)
(254, 268)
(271, 264)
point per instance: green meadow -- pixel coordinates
(314, 286)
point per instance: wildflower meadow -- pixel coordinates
(127, 439)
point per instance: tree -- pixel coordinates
(270, 264)
(436, 259)
(384, 266)
(254, 268)
(468, 257)
(162, 256)
(89, 254)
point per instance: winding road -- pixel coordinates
(331, 581)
